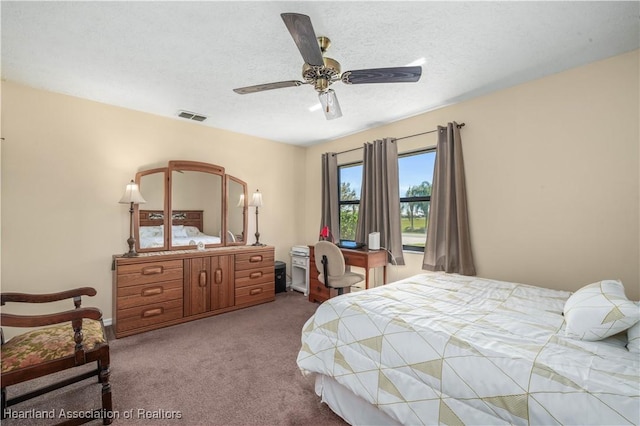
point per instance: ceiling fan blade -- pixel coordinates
(268, 86)
(305, 38)
(383, 75)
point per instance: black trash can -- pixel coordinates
(281, 276)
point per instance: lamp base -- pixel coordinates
(257, 234)
(132, 251)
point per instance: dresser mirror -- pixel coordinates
(150, 218)
(189, 205)
(236, 210)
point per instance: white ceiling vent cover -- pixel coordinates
(191, 116)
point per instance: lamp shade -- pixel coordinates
(256, 200)
(241, 201)
(132, 195)
(330, 104)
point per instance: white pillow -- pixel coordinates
(178, 231)
(599, 310)
(633, 336)
(151, 231)
(192, 231)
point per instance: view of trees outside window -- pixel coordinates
(415, 176)
(350, 178)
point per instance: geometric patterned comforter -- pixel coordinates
(448, 349)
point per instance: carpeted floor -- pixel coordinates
(237, 368)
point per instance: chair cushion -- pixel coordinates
(342, 281)
(48, 344)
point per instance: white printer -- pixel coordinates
(300, 251)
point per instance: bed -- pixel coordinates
(447, 349)
(186, 229)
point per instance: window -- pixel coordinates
(415, 176)
(350, 181)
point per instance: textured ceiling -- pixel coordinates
(161, 57)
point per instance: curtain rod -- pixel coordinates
(398, 139)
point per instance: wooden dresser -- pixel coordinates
(155, 290)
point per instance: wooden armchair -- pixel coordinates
(77, 338)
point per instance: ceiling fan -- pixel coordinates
(321, 71)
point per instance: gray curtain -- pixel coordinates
(380, 197)
(330, 207)
(448, 246)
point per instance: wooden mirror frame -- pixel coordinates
(240, 239)
(163, 216)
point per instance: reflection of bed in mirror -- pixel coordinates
(186, 228)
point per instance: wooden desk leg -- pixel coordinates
(366, 278)
(384, 274)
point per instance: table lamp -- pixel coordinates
(131, 196)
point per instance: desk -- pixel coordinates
(353, 257)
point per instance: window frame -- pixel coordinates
(422, 198)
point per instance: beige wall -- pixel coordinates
(65, 164)
(552, 176)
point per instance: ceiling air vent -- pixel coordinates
(191, 116)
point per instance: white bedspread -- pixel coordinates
(150, 242)
(153, 236)
(448, 349)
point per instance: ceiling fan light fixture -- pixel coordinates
(321, 85)
(330, 105)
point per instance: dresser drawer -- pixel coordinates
(256, 276)
(149, 272)
(145, 294)
(154, 314)
(299, 261)
(256, 293)
(254, 260)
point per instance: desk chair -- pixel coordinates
(331, 267)
(72, 338)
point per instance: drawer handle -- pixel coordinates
(202, 279)
(218, 276)
(255, 274)
(153, 291)
(152, 270)
(254, 259)
(152, 312)
(255, 291)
